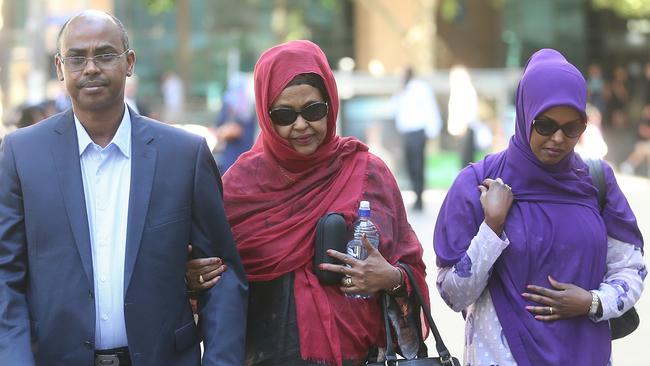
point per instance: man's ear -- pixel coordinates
(59, 67)
(130, 59)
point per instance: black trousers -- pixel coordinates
(414, 143)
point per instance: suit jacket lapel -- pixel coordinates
(143, 166)
(65, 151)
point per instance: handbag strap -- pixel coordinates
(443, 352)
(391, 357)
(598, 179)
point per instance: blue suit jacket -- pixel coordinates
(47, 306)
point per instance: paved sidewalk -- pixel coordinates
(632, 350)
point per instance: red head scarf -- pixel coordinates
(274, 197)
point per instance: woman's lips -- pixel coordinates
(553, 152)
(303, 140)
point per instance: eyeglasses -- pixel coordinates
(103, 61)
(284, 116)
(547, 127)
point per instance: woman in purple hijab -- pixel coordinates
(522, 245)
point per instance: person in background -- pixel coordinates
(131, 97)
(463, 117)
(618, 97)
(417, 118)
(299, 170)
(173, 92)
(596, 88)
(641, 150)
(29, 115)
(236, 122)
(522, 246)
(591, 144)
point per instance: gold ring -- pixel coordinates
(347, 281)
(550, 310)
(201, 280)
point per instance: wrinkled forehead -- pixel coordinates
(85, 33)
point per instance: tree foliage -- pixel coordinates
(160, 6)
(449, 8)
(625, 8)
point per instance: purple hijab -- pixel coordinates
(554, 226)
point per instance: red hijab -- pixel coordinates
(274, 197)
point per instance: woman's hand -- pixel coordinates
(496, 199)
(203, 273)
(367, 276)
(564, 301)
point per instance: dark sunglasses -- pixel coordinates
(285, 116)
(547, 127)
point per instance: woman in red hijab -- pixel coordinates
(274, 195)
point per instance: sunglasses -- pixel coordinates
(547, 127)
(285, 116)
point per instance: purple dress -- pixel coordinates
(554, 226)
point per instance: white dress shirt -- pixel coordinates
(416, 108)
(106, 174)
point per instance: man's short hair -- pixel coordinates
(125, 36)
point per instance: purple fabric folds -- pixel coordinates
(554, 226)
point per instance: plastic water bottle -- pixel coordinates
(363, 225)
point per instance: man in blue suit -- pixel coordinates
(97, 206)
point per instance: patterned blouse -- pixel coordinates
(464, 288)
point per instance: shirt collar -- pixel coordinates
(122, 138)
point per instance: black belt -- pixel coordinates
(113, 357)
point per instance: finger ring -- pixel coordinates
(201, 280)
(550, 310)
(347, 281)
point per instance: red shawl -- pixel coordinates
(274, 197)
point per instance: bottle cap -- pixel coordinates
(364, 205)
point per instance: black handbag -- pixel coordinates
(629, 321)
(444, 357)
(331, 233)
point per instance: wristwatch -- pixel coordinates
(595, 304)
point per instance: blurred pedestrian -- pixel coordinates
(417, 118)
(463, 116)
(596, 87)
(133, 100)
(173, 92)
(522, 246)
(236, 122)
(29, 115)
(641, 150)
(618, 96)
(94, 232)
(592, 144)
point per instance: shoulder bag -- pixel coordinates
(629, 321)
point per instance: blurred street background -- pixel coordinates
(195, 59)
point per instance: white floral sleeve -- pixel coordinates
(623, 282)
(462, 284)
